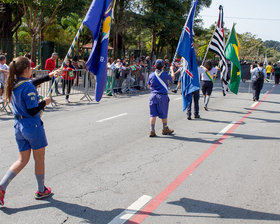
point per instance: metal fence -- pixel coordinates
(126, 81)
(83, 83)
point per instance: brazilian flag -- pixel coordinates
(232, 54)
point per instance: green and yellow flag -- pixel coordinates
(232, 55)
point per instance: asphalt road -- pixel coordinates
(103, 167)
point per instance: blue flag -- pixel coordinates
(190, 78)
(98, 20)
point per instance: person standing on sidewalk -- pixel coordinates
(159, 100)
(4, 70)
(50, 65)
(258, 77)
(67, 79)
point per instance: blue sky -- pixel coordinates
(268, 13)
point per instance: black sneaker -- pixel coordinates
(189, 118)
(197, 116)
(206, 108)
(174, 91)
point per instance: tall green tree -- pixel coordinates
(10, 21)
(39, 14)
(159, 15)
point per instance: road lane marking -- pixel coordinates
(254, 104)
(266, 92)
(131, 210)
(222, 132)
(273, 86)
(110, 118)
(163, 195)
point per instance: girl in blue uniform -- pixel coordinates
(29, 129)
(159, 100)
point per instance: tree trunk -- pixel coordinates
(8, 26)
(78, 47)
(117, 45)
(6, 34)
(114, 46)
(153, 43)
(6, 21)
(33, 48)
(123, 47)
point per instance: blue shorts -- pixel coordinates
(159, 106)
(30, 134)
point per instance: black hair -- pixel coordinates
(208, 65)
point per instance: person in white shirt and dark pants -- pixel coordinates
(258, 75)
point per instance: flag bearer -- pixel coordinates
(207, 80)
(29, 129)
(159, 100)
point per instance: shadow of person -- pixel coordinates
(245, 136)
(266, 111)
(6, 118)
(182, 138)
(264, 119)
(223, 211)
(229, 111)
(218, 121)
(88, 214)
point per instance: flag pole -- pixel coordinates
(209, 45)
(67, 56)
(233, 25)
(176, 53)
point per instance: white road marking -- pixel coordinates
(110, 118)
(178, 99)
(266, 92)
(273, 86)
(131, 210)
(222, 132)
(254, 104)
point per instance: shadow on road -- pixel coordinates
(219, 121)
(223, 211)
(266, 111)
(182, 138)
(245, 136)
(88, 214)
(228, 111)
(6, 118)
(264, 119)
(274, 102)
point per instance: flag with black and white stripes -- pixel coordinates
(217, 45)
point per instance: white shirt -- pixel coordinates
(2, 75)
(204, 77)
(254, 72)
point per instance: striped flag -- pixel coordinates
(217, 45)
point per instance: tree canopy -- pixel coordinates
(140, 27)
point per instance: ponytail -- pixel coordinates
(16, 69)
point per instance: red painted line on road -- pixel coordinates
(149, 208)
